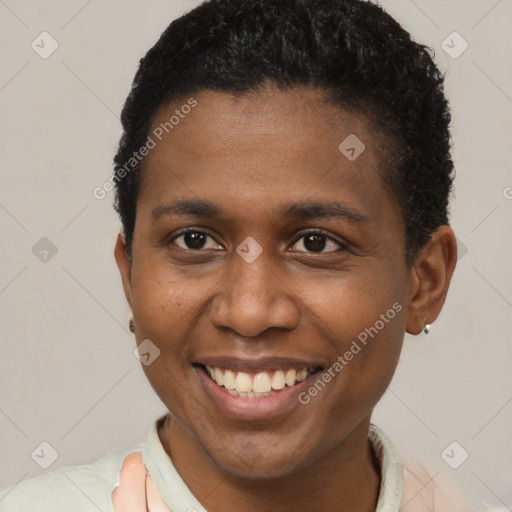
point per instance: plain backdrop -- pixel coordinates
(68, 375)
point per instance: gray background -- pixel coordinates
(68, 375)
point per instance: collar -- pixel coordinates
(391, 471)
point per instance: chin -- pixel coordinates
(261, 468)
(248, 459)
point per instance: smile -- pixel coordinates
(258, 385)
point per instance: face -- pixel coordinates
(264, 256)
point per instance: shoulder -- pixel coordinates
(424, 492)
(81, 488)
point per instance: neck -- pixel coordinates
(348, 478)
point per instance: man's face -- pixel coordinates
(265, 286)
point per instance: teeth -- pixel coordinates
(229, 379)
(249, 394)
(278, 380)
(290, 377)
(219, 378)
(302, 375)
(243, 382)
(260, 385)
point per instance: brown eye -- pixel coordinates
(318, 242)
(315, 243)
(195, 240)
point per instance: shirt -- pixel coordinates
(89, 487)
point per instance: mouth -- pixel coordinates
(258, 384)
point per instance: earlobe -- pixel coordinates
(431, 274)
(124, 266)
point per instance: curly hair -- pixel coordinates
(351, 49)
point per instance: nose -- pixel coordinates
(254, 297)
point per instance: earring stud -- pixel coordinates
(132, 325)
(426, 326)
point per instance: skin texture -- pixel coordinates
(250, 155)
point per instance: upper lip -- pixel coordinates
(260, 364)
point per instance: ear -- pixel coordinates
(430, 278)
(125, 269)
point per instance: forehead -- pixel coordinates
(262, 150)
(297, 120)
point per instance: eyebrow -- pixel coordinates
(186, 207)
(299, 210)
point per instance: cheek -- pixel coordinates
(363, 315)
(358, 301)
(163, 302)
(165, 313)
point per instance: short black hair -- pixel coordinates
(350, 49)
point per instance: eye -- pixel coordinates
(317, 241)
(195, 240)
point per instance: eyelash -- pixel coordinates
(342, 245)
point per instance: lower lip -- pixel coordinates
(280, 403)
